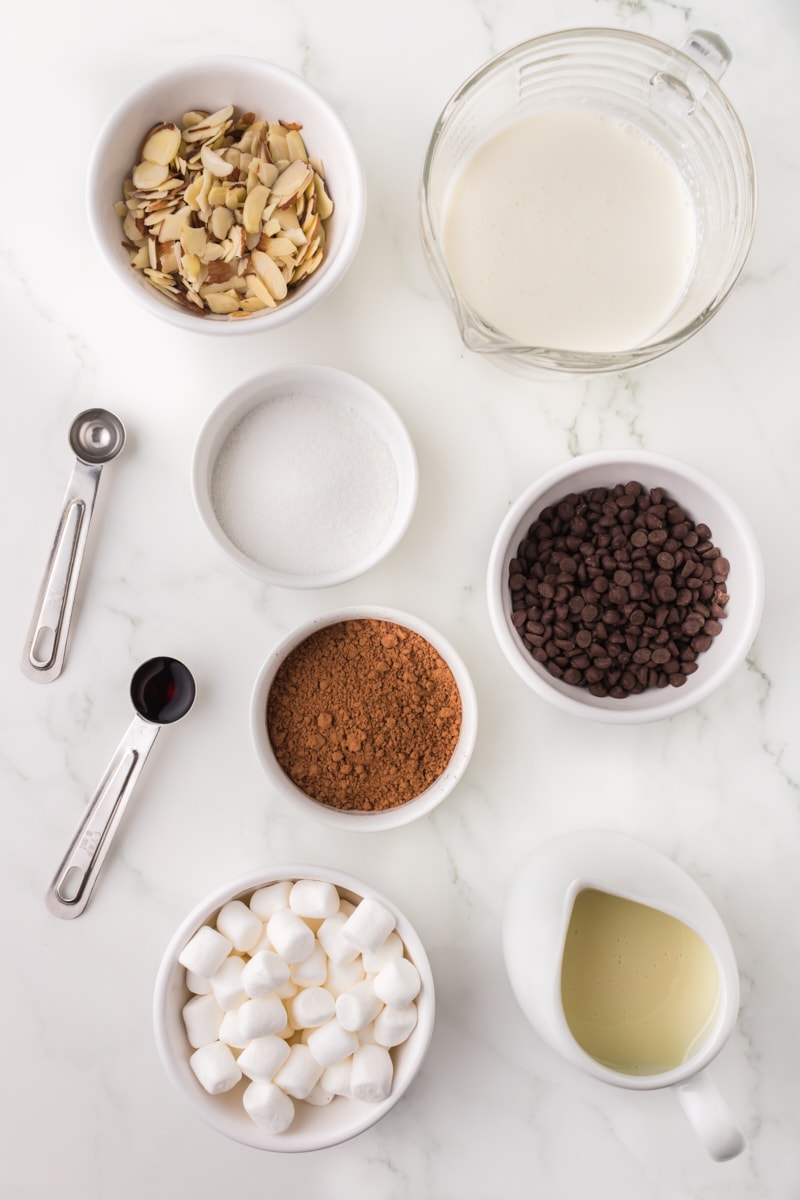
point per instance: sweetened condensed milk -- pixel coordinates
(639, 988)
(570, 230)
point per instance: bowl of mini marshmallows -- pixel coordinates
(625, 586)
(226, 196)
(293, 1008)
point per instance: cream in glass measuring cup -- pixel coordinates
(588, 200)
(571, 229)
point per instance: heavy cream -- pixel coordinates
(639, 988)
(570, 230)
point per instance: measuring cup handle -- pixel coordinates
(710, 1117)
(709, 50)
(46, 642)
(77, 873)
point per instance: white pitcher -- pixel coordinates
(537, 916)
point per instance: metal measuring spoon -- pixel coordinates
(162, 691)
(96, 436)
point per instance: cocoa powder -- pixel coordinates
(364, 715)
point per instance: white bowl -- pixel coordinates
(271, 92)
(313, 1127)
(705, 503)
(365, 822)
(331, 385)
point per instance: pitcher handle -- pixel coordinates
(710, 1117)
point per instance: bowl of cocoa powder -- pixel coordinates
(364, 718)
(625, 586)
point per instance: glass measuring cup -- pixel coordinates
(672, 98)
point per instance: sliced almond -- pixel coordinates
(215, 163)
(193, 239)
(292, 181)
(149, 175)
(252, 304)
(324, 201)
(162, 144)
(219, 272)
(278, 247)
(270, 274)
(295, 145)
(254, 207)
(260, 290)
(170, 228)
(141, 258)
(168, 258)
(276, 143)
(222, 302)
(220, 222)
(267, 172)
(236, 196)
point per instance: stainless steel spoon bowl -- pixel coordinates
(162, 691)
(96, 436)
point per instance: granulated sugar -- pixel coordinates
(304, 485)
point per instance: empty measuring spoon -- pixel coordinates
(96, 436)
(162, 691)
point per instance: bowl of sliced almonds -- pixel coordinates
(226, 196)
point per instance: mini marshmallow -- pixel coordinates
(330, 1043)
(393, 1025)
(338, 949)
(290, 936)
(388, 950)
(205, 952)
(267, 1105)
(267, 900)
(197, 984)
(215, 1067)
(371, 1074)
(357, 1007)
(366, 1036)
(343, 976)
(259, 1017)
(263, 973)
(398, 983)
(311, 1007)
(239, 925)
(263, 943)
(226, 984)
(368, 926)
(313, 898)
(287, 990)
(312, 971)
(299, 1073)
(336, 1079)
(202, 1017)
(319, 1095)
(229, 1031)
(263, 1056)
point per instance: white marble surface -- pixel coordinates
(87, 1109)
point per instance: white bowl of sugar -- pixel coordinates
(305, 476)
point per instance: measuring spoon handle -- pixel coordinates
(77, 873)
(46, 642)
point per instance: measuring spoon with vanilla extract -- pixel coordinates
(162, 691)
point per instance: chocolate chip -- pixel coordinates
(616, 590)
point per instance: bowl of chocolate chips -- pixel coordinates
(625, 586)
